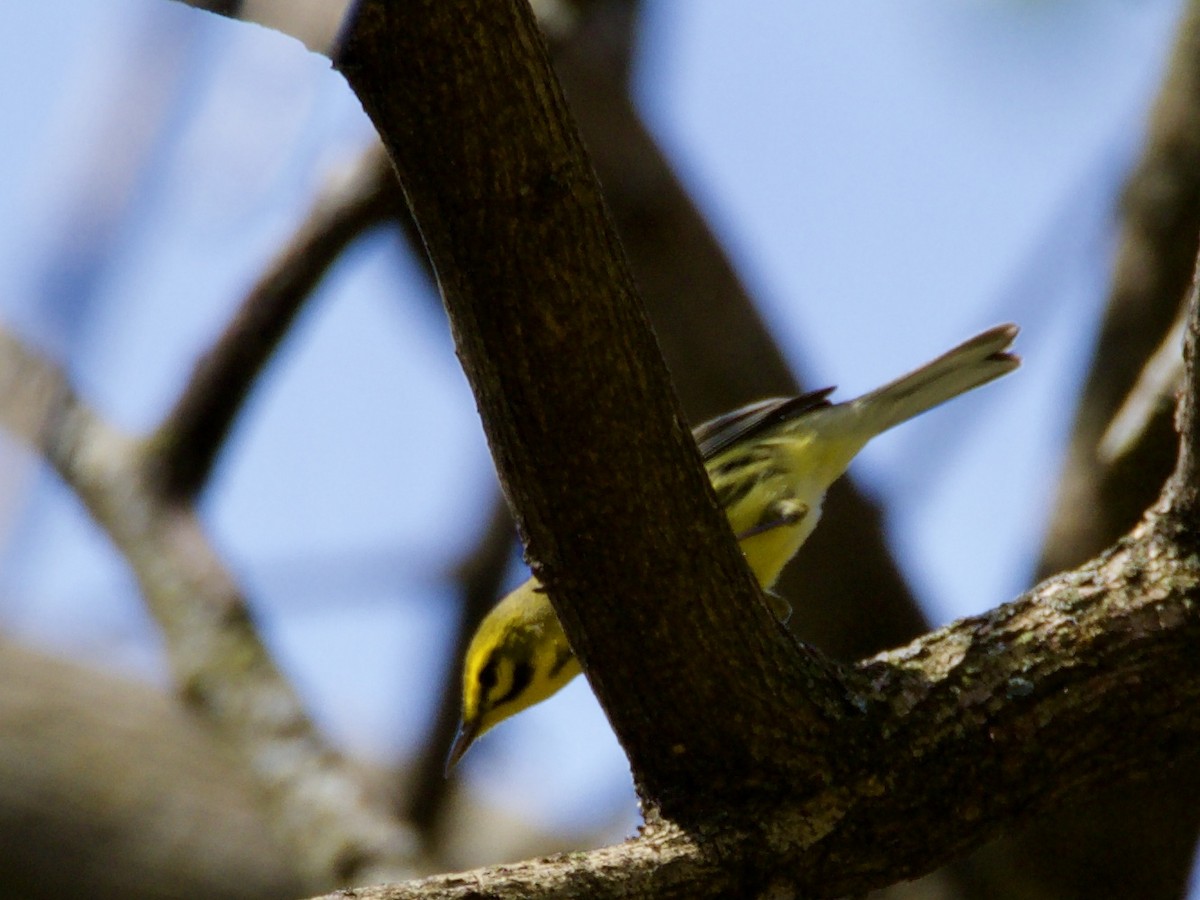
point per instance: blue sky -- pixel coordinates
(888, 179)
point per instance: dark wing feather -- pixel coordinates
(718, 434)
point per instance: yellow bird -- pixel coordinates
(770, 464)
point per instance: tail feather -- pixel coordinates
(970, 364)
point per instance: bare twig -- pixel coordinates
(1150, 398)
(192, 434)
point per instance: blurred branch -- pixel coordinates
(1150, 399)
(102, 780)
(335, 832)
(188, 440)
(34, 397)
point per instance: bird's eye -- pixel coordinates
(489, 675)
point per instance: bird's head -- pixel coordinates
(519, 656)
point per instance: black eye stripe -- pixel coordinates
(522, 676)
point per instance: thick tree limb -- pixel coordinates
(849, 599)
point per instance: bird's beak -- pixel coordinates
(467, 732)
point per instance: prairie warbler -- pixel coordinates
(770, 464)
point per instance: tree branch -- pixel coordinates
(849, 599)
(188, 440)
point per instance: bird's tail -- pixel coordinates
(970, 364)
